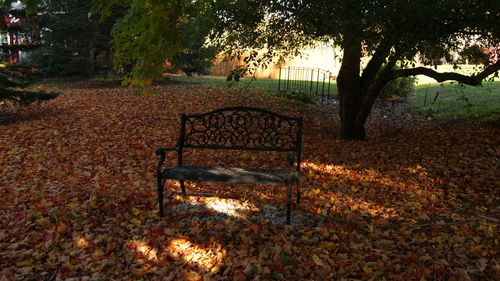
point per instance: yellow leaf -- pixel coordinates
(69, 266)
(425, 258)
(138, 272)
(45, 222)
(477, 247)
(73, 206)
(319, 262)
(98, 253)
(147, 82)
(213, 271)
(148, 92)
(136, 211)
(25, 263)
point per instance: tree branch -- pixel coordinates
(374, 65)
(473, 80)
(383, 77)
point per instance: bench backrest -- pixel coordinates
(246, 128)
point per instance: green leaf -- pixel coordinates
(284, 260)
(474, 224)
(255, 270)
(276, 275)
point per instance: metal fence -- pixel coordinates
(306, 80)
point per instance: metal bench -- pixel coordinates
(240, 128)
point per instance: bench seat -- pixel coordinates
(229, 174)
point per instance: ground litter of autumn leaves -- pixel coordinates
(78, 196)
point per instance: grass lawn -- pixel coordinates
(445, 100)
(454, 101)
(261, 85)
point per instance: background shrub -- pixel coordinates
(53, 64)
(298, 96)
(401, 88)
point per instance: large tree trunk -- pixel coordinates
(357, 92)
(351, 130)
(351, 94)
(354, 111)
(356, 104)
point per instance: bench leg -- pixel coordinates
(298, 191)
(160, 195)
(288, 203)
(181, 182)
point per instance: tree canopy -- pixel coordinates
(151, 32)
(73, 39)
(390, 34)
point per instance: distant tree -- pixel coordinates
(75, 40)
(195, 57)
(153, 32)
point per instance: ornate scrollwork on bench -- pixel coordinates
(241, 128)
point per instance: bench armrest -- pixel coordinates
(162, 152)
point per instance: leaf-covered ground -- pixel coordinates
(78, 197)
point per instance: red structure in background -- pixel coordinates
(11, 54)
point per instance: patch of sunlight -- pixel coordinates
(312, 166)
(327, 169)
(417, 170)
(81, 242)
(366, 177)
(354, 187)
(230, 207)
(195, 255)
(143, 249)
(358, 204)
(359, 188)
